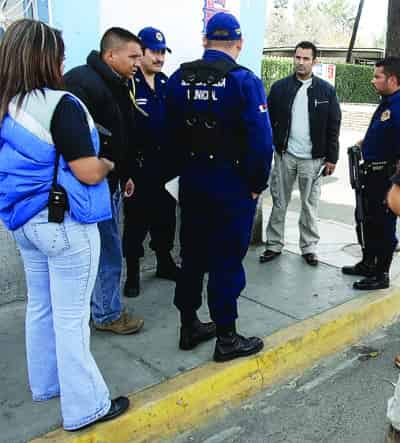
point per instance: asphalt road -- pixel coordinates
(342, 400)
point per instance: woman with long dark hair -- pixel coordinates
(52, 194)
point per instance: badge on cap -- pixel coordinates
(220, 33)
(159, 37)
(385, 115)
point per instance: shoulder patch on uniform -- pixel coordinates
(263, 107)
(385, 115)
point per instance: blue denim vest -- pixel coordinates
(27, 159)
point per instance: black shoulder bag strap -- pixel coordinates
(55, 174)
(58, 199)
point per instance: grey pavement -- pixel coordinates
(341, 400)
(278, 294)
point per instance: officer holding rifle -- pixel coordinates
(380, 152)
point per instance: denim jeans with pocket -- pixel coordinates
(106, 298)
(61, 262)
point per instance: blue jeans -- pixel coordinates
(106, 298)
(60, 262)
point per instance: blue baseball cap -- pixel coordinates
(223, 26)
(154, 39)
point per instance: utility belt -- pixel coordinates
(384, 167)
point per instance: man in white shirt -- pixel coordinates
(305, 116)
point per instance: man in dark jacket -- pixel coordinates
(305, 117)
(102, 84)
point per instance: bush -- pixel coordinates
(274, 69)
(353, 82)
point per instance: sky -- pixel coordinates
(373, 19)
(374, 16)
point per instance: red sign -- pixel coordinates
(211, 7)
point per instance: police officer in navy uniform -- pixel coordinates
(380, 151)
(221, 147)
(151, 208)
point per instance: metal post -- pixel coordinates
(355, 30)
(50, 9)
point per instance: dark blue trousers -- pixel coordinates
(217, 214)
(380, 223)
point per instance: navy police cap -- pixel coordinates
(153, 39)
(223, 26)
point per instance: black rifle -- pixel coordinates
(356, 172)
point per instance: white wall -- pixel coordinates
(180, 21)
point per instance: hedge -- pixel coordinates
(353, 82)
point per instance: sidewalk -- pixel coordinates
(309, 312)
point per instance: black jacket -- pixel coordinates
(107, 97)
(324, 113)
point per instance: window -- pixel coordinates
(11, 10)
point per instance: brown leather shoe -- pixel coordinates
(311, 259)
(268, 255)
(124, 325)
(397, 361)
(392, 435)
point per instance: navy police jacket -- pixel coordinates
(238, 100)
(151, 127)
(382, 140)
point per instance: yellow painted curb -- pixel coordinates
(184, 401)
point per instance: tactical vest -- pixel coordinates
(203, 129)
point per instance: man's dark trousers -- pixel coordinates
(215, 235)
(380, 223)
(152, 210)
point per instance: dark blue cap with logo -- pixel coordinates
(223, 26)
(153, 39)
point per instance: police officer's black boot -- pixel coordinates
(231, 345)
(365, 268)
(379, 281)
(381, 278)
(194, 332)
(132, 284)
(166, 267)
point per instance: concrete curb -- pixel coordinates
(188, 399)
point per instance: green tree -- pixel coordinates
(278, 31)
(341, 12)
(324, 22)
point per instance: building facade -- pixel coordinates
(183, 22)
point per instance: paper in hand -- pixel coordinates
(321, 170)
(173, 188)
